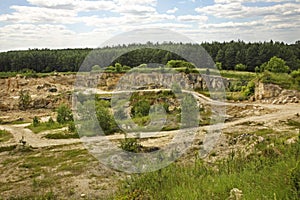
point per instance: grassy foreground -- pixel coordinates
(272, 172)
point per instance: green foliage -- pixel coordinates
(130, 144)
(110, 69)
(296, 77)
(240, 67)
(35, 121)
(180, 63)
(140, 108)
(227, 53)
(126, 68)
(118, 67)
(72, 127)
(219, 65)
(249, 89)
(268, 174)
(284, 80)
(276, 65)
(44, 126)
(64, 114)
(61, 135)
(96, 68)
(105, 119)
(28, 73)
(24, 100)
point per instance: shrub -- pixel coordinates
(96, 68)
(276, 65)
(35, 121)
(180, 63)
(64, 114)
(249, 89)
(219, 65)
(130, 144)
(240, 67)
(140, 108)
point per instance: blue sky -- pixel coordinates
(87, 23)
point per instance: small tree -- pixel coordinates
(64, 114)
(24, 100)
(240, 67)
(276, 65)
(35, 121)
(219, 65)
(140, 108)
(118, 67)
(96, 68)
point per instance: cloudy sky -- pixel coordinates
(87, 23)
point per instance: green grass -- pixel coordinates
(33, 75)
(46, 196)
(282, 79)
(5, 136)
(61, 135)
(293, 123)
(238, 75)
(271, 174)
(7, 148)
(262, 132)
(45, 126)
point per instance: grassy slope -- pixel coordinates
(268, 174)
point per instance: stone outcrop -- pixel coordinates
(270, 93)
(108, 81)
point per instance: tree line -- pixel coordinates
(231, 55)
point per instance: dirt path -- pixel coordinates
(32, 139)
(281, 112)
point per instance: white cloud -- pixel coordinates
(136, 2)
(46, 23)
(193, 18)
(174, 10)
(237, 10)
(26, 14)
(135, 9)
(80, 5)
(249, 1)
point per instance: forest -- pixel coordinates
(227, 55)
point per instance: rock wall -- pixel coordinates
(108, 81)
(270, 93)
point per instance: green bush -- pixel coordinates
(35, 121)
(276, 65)
(249, 89)
(240, 67)
(64, 114)
(130, 144)
(180, 63)
(140, 108)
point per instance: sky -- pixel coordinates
(55, 24)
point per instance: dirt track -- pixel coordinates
(279, 112)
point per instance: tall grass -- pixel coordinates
(271, 173)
